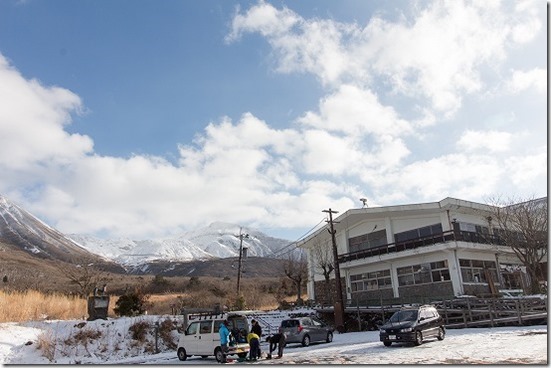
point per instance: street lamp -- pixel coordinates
(240, 236)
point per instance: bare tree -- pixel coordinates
(522, 226)
(86, 276)
(323, 254)
(296, 269)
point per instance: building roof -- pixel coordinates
(355, 215)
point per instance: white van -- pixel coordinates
(202, 336)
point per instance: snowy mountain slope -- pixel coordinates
(218, 240)
(26, 232)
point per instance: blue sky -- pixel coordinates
(150, 118)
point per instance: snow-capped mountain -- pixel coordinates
(24, 231)
(218, 240)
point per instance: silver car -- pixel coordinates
(305, 330)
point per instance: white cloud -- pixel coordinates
(528, 170)
(354, 111)
(523, 80)
(389, 84)
(435, 53)
(264, 19)
(32, 120)
(488, 141)
(454, 175)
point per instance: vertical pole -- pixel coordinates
(157, 337)
(240, 236)
(339, 305)
(239, 266)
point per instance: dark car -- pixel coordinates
(413, 324)
(305, 330)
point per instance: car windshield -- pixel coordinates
(407, 315)
(290, 323)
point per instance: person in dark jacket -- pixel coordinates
(257, 330)
(277, 340)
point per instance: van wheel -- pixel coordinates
(329, 337)
(182, 354)
(441, 334)
(306, 340)
(387, 343)
(418, 338)
(218, 355)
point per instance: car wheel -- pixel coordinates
(441, 334)
(182, 354)
(418, 338)
(329, 337)
(306, 340)
(218, 355)
(387, 343)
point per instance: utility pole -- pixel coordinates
(339, 304)
(240, 236)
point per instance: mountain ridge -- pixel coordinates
(217, 240)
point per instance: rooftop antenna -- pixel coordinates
(364, 200)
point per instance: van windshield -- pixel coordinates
(407, 315)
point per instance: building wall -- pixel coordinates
(437, 289)
(374, 297)
(403, 219)
(326, 294)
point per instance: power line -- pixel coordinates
(281, 252)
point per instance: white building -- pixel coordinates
(414, 253)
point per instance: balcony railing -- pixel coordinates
(444, 237)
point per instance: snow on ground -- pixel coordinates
(500, 345)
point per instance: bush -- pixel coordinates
(46, 345)
(131, 304)
(165, 332)
(139, 330)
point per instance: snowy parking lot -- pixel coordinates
(503, 345)
(499, 345)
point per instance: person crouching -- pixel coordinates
(254, 345)
(278, 340)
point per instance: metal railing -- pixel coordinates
(444, 237)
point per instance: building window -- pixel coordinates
(423, 273)
(421, 232)
(477, 271)
(370, 281)
(366, 241)
(511, 275)
(440, 271)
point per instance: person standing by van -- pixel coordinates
(224, 339)
(257, 330)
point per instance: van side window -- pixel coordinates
(206, 327)
(192, 328)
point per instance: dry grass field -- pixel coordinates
(32, 305)
(33, 288)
